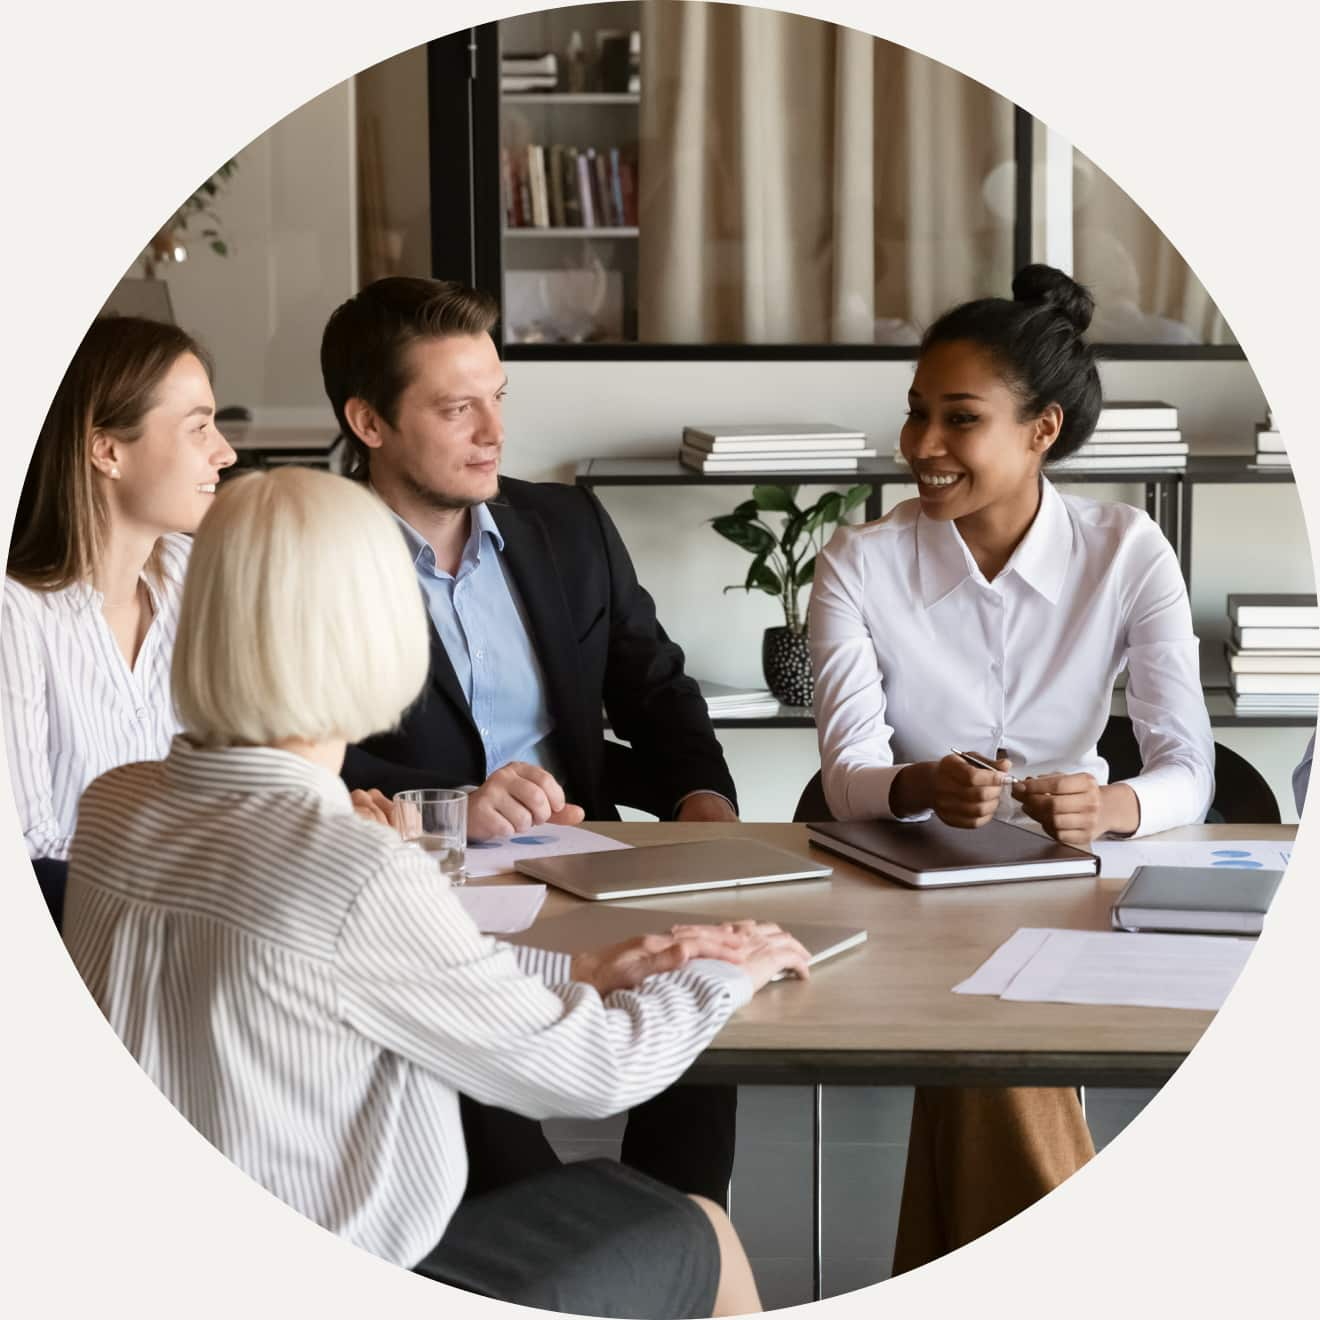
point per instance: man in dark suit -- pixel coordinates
(539, 622)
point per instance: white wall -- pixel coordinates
(289, 216)
(1247, 538)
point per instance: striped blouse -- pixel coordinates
(72, 707)
(304, 988)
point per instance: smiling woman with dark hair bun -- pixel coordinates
(992, 614)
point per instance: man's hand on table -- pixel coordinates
(372, 804)
(518, 797)
(761, 949)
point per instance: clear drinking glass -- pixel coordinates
(435, 820)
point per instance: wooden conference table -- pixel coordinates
(884, 1015)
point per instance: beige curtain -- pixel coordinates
(1145, 292)
(806, 183)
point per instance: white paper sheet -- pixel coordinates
(501, 909)
(997, 972)
(498, 857)
(1109, 967)
(1119, 858)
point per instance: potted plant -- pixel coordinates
(784, 562)
(170, 242)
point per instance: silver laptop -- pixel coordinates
(672, 868)
(598, 927)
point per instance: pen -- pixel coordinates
(982, 764)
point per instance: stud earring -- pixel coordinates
(114, 473)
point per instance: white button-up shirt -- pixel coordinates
(914, 653)
(72, 707)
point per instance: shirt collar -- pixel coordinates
(483, 525)
(192, 768)
(944, 562)
(1041, 559)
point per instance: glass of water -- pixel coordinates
(435, 820)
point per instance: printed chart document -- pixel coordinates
(1108, 967)
(497, 856)
(1119, 858)
(501, 909)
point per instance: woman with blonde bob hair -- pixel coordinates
(307, 990)
(126, 464)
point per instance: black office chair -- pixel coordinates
(812, 805)
(52, 875)
(1242, 796)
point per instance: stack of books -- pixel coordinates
(731, 703)
(1274, 657)
(529, 73)
(774, 447)
(1131, 436)
(562, 187)
(1269, 445)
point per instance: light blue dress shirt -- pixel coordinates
(484, 630)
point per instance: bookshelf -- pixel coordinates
(568, 183)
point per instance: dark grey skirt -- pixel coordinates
(594, 1238)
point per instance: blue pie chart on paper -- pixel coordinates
(533, 839)
(1237, 858)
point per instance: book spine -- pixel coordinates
(584, 190)
(556, 170)
(525, 187)
(540, 198)
(628, 180)
(507, 189)
(572, 201)
(605, 209)
(616, 187)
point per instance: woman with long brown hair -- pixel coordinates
(125, 466)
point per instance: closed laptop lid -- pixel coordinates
(929, 852)
(600, 925)
(1201, 889)
(672, 868)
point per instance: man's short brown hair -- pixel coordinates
(365, 345)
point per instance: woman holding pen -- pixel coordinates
(991, 616)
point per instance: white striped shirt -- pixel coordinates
(72, 707)
(306, 990)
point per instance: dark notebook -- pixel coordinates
(928, 854)
(1203, 900)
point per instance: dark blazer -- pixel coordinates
(599, 645)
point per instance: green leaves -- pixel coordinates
(854, 498)
(744, 532)
(775, 499)
(785, 562)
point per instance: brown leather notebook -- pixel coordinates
(927, 854)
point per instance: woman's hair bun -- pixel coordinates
(1046, 285)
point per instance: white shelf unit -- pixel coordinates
(571, 98)
(570, 231)
(579, 275)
